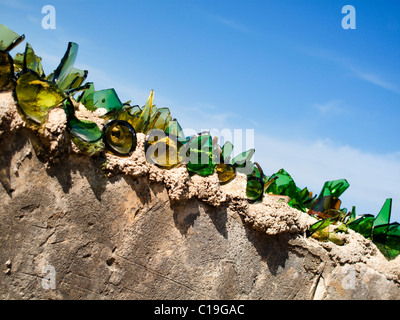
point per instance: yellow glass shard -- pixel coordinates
(36, 96)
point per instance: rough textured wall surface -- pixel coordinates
(113, 230)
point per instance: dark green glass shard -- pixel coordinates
(379, 233)
(9, 39)
(387, 239)
(73, 80)
(363, 225)
(6, 71)
(383, 216)
(392, 244)
(334, 188)
(307, 197)
(107, 99)
(84, 130)
(36, 96)
(326, 207)
(32, 61)
(119, 137)
(226, 173)
(66, 64)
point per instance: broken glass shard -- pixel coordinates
(84, 130)
(9, 39)
(119, 137)
(36, 96)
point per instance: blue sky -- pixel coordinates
(323, 101)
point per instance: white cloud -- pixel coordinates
(332, 106)
(372, 177)
(362, 74)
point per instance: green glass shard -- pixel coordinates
(226, 153)
(363, 225)
(9, 39)
(85, 94)
(119, 137)
(242, 162)
(84, 130)
(6, 71)
(254, 190)
(352, 215)
(174, 129)
(383, 216)
(107, 99)
(32, 61)
(200, 155)
(285, 185)
(334, 188)
(66, 64)
(73, 80)
(36, 96)
(319, 225)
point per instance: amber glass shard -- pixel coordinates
(142, 124)
(226, 173)
(320, 229)
(36, 96)
(119, 137)
(6, 71)
(84, 130)
(334, 188)
(162, 150)
(162, 119)
(66, 64)
(383, 216)
(9, 39)
(363, 225)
